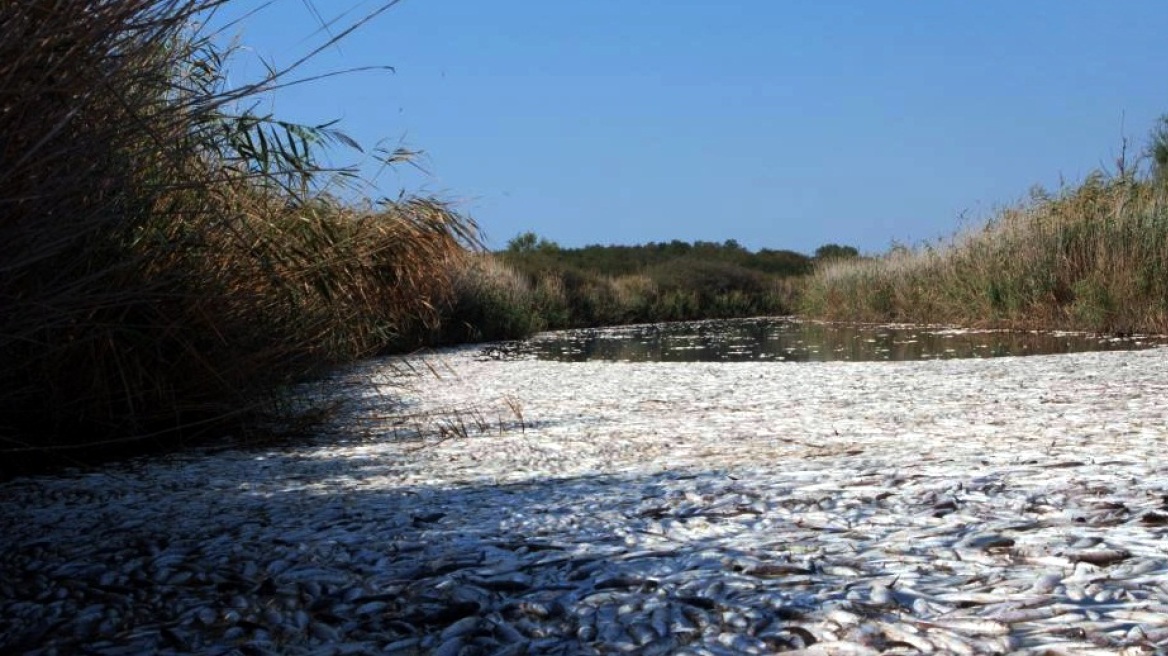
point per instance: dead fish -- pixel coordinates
(776, 570)
(1098, 557)
(451, 647)
(987, 542)
(1046, 583)
(742, 644)
(907, 635)
(1014, 616)
(970, 626)
(462, 628)
(949, 643)
(835, 648)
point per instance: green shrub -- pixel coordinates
(491, 302)
(707, 278)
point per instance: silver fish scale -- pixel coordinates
(935, 507)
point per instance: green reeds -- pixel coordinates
(1091, 258)
(166, 266)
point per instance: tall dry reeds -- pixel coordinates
(165, 263)
(1093, 257)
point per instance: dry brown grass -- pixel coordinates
(165, 267)
(1093, 258)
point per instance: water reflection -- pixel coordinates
(778, 339)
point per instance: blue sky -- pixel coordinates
(778, 124)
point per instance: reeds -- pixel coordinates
(491, 301)
(497, 297)
(166, 263)
(1093, 258)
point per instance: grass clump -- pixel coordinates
(167, 261)
(491, 301)
(1093, 258)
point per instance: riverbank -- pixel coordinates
(1091, 257)
(977, 506)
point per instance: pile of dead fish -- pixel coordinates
(840, 539)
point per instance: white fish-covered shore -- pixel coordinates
(478, 506)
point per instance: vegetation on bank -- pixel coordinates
(169, 260)
(1092, 257)
(536, 285)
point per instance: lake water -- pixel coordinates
(783, 339)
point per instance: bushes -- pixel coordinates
(166, 266)
(707, 278)
(530, 251)
(490, 302)
(509, 298)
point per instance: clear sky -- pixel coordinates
(780, 124)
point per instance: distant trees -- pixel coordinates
(529, 242)
(529, 251)
(835, 252)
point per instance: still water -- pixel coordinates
(780, 339)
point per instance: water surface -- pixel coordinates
(784, 339)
